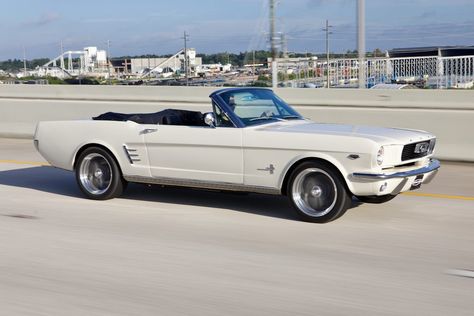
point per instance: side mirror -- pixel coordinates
(210, 119)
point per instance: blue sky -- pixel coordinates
(146, 26)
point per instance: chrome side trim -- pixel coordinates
(148, 131)
(432, 166)
(131, 155)
(203, 184)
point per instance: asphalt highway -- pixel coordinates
(168, 251)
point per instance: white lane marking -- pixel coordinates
(461, 273)
(18, 162)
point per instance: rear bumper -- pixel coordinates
(432, 166)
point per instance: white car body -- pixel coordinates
(235, 158)
(255, 158)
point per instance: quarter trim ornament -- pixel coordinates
(270, 169)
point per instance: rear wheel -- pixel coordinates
(98, 175)
(317, 192)
(376, 199)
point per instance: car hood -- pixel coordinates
(379, 134)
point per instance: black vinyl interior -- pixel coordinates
(165, 117)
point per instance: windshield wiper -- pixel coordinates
(266, 118)
(289, 117)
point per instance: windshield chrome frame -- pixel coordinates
(219, 101)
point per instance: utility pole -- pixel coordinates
(108, 61)
(361, 41)
(273, 44)
(24, 61)
(186, 39)
(284, 43)
(327, 30)
(62, 55)
(253, 63)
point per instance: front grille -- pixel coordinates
(410, 151)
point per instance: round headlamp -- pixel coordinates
(380, 155)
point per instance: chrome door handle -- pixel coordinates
(148, 130)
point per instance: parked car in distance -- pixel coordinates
(250, 140)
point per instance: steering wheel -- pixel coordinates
(267, 113)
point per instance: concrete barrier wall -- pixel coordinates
(447, 113)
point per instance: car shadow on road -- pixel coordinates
(61, 182)
(46, 179)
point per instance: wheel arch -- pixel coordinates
(331, 162)
(83, 147)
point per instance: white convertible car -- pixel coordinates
(251, 141)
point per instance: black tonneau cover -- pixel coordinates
(165, 117)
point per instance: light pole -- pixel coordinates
(186, 39)
(108, 60)
(24, 61)
(273, 44)
(327, 30)
(361, 41)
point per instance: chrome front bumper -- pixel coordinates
(432, 166)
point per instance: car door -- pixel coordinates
(197, 153)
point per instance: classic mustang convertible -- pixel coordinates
(251, 141)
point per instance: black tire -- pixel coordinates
(318, 192)
(376, 199)
(98, 175)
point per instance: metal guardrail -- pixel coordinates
(438, 72)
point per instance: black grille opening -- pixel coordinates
(409, 153)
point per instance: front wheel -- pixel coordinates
(98, 175)
(318, 192)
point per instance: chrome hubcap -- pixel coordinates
(95, 174)
(98, 173)
(314, 192)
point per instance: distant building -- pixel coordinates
(94, 59)
(294, 62)
(88, 61)
(442, 51)
(212, 69)
(155, 67)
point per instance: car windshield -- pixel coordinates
(259, 106)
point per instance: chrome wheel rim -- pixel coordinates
(314, 192)
(95, 174)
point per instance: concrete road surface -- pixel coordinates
(163, 251)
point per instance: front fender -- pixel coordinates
(339, 160)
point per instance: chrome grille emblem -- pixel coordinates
(421, 148)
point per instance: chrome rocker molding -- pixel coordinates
(224, 186)
(432, 166)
